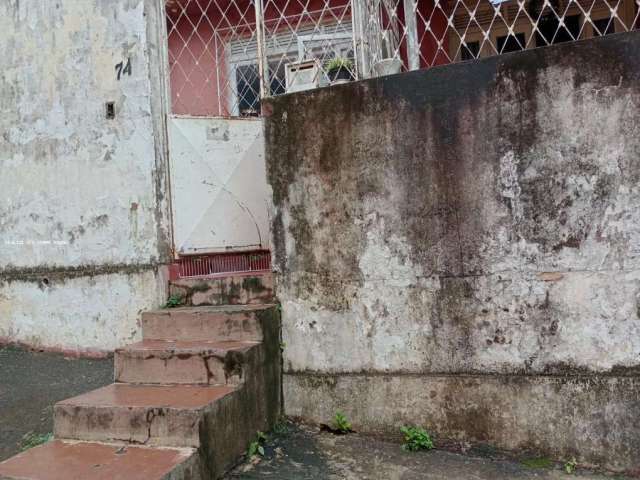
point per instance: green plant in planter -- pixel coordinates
(340, 68)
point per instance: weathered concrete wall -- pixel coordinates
(82, 195)
(474, 221)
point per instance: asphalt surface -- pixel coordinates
(32, 382)
(307, 453)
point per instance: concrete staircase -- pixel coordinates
(187, 400)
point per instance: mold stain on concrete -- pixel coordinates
(468, 220)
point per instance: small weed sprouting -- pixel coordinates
(256, 447)
(570, 466)
(281, 428)
(31, 440)
(174, 301)
(541, 462)
(341, 424)
(416, 438)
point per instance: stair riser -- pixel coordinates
(202, 369)
(174, 325)
(146, 426)
(229, 290)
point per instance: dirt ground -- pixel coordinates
(31, 382)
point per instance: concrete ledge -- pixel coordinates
(594, 418)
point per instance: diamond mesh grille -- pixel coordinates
(225, 54)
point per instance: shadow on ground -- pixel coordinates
(306, 453)
(30, 384)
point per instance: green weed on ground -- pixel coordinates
(340, 423)
(256, 447)
(570, 466)
(174, 301)
(416, 438)
(32, 439)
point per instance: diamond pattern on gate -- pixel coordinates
(213, 44)
(213, 51)
(210, 57)
(411, 34)
(308, 44)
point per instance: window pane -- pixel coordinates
(604, 26)
(248, 88)
(469, 50)
(510, 43)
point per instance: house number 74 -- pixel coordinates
(123, 69)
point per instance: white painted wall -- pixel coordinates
(81, 196)
(80, 314)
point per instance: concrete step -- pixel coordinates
(238, 289)
(184, 362)
(240, 323)
(156, 415)
(63, 460)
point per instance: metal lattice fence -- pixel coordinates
(224, 55)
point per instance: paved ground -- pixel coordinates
(305, 453)
(31, 382)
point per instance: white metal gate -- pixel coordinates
(218, 185)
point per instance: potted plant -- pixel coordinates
(339, 70)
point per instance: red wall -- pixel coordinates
(198, 88)
(195, 81)
(429, 54)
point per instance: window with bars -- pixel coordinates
(319, 43)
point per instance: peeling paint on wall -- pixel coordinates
(464, 237)
(87, 313)
(69, 174)
(78, 190)
(417, 229)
